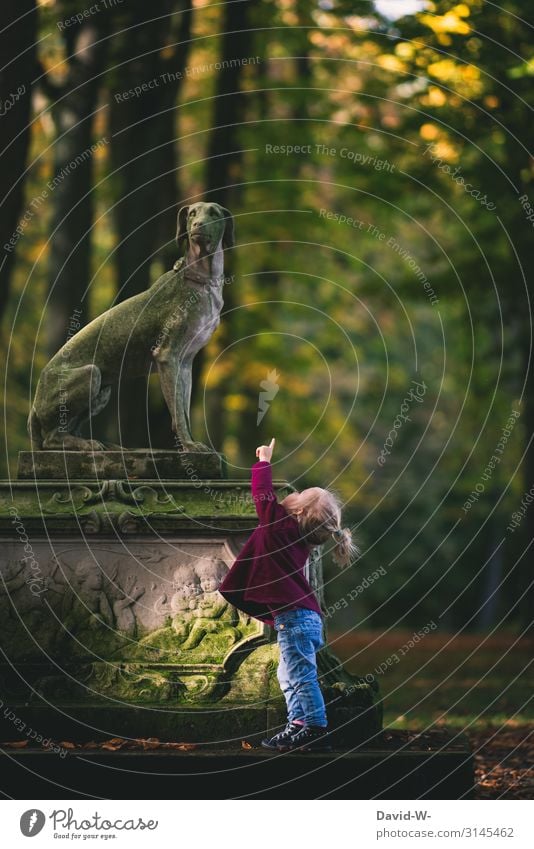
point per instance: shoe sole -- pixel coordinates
(270, 748)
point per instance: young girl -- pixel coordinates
(268, 581)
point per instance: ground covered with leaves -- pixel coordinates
(475, 684)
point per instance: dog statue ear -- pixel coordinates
(181, 226)
(228, 240)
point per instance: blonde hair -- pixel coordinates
(318, 513)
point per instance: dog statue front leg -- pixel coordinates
(169, 374)
(172, 379)
(185, 384)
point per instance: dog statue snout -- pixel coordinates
(207, 222)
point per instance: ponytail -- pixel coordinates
(345, 549)
(318, 513)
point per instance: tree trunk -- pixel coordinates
(143, 152)
(250, 432)
(73, 112)
(223, 169)
(144, 163)
(492, 577)
(224, 159)
(18, 22)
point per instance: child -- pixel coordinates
(268, 582)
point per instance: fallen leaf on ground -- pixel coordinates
(503, 762)
(149, 742)
(113, 744)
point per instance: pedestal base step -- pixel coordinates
(378, 772)
(221, 725)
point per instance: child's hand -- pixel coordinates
(265, 452)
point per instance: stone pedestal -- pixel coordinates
(111, 620)
(118, 465)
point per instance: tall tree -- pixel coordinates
(74, 103)
(293, 101)
(18, 24)
(224, 168)
(149, 57)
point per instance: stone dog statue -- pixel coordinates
(167, 325)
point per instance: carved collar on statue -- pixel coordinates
(180, 265)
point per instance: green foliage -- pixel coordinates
(340, 310)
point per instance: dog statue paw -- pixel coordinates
(195, 447)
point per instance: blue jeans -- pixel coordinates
(300, 635)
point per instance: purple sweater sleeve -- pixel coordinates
(263, 493)
(268, 573)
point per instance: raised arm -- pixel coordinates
(263, 494)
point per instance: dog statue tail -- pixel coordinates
(34, 431)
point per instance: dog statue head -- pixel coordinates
(206, 225)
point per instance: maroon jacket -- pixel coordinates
(269, 571)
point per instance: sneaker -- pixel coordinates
(310, 738)
(281, 741)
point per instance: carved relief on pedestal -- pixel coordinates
(200, 626)
(140, 622)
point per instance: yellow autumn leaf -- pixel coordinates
(235, 402)
(435, 97)
(38, 250)
(445, 69)
(450, 22)
(462, 10)
(391, 63)
(444, 150)
(405, 50)
(470, 72)
(428, 132)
